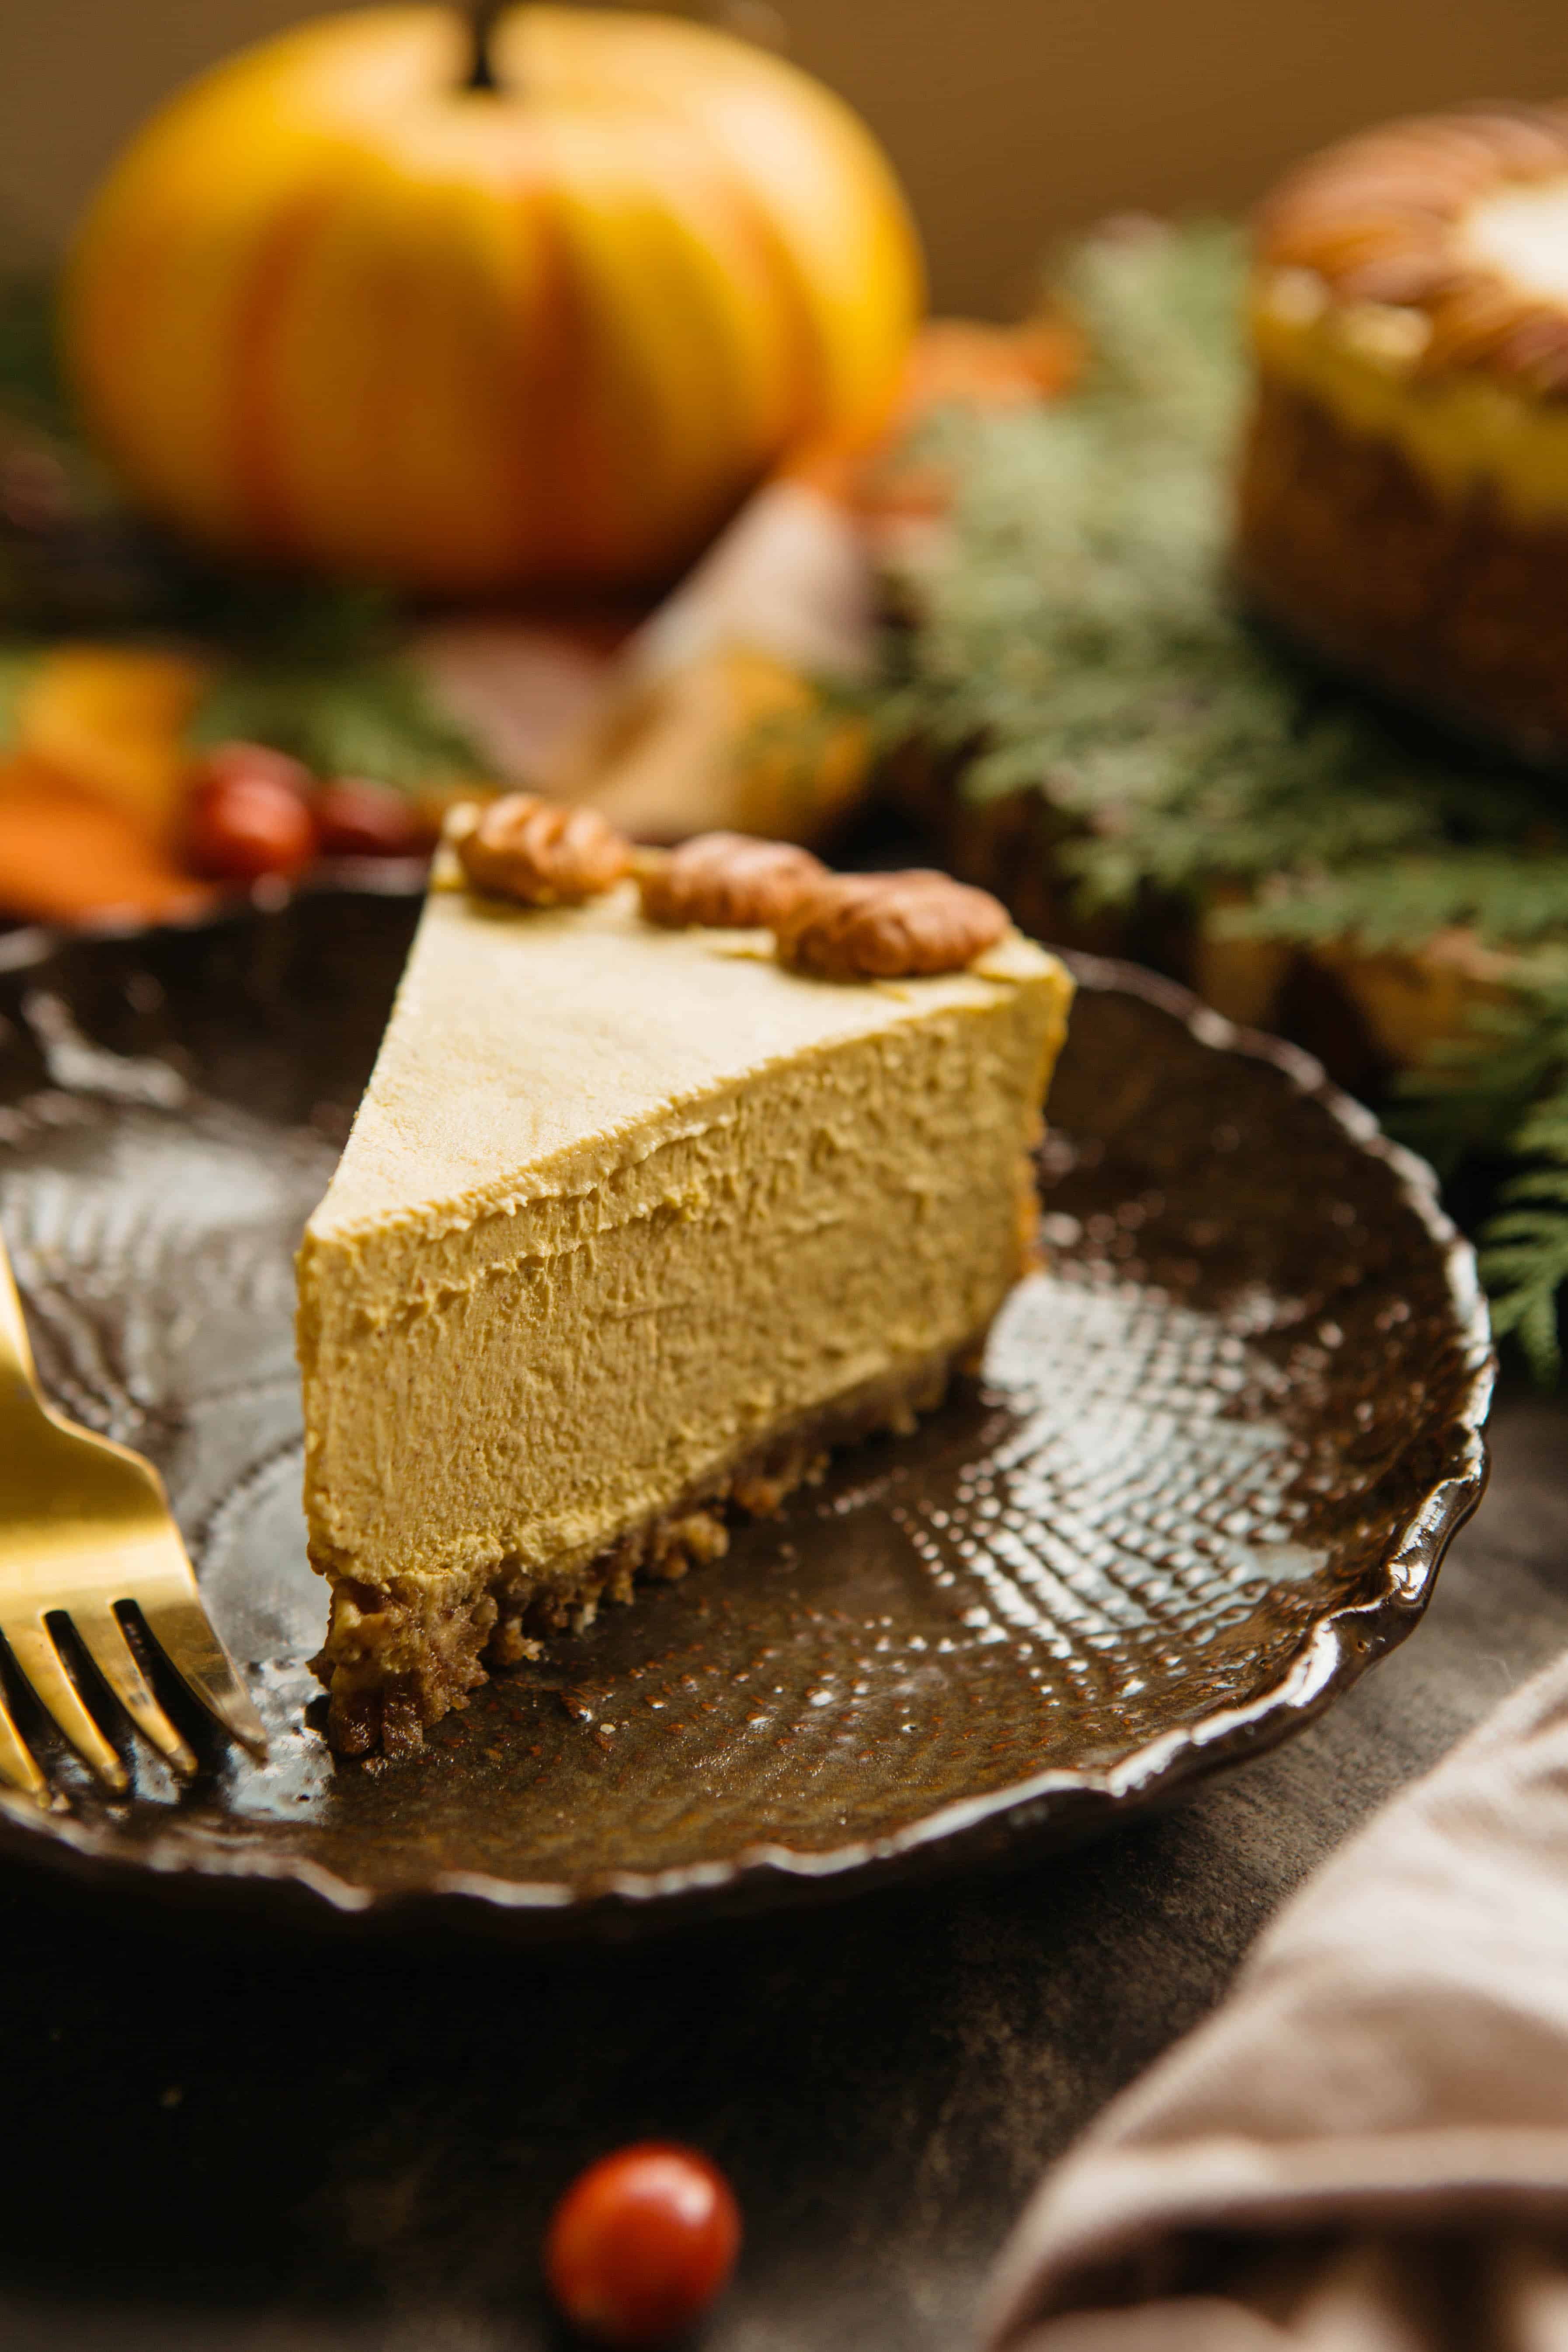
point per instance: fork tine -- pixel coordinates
(17, 1770)
(38, 1663)
(185, 1635)
(102, 1636)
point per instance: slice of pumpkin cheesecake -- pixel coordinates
(656, 1191)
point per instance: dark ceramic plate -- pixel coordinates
(1216, 1457)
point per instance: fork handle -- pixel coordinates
(16, 1354)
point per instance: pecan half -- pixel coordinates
(544, 853)
(727, 881)
(887, 926)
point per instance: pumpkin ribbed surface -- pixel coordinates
(333, 307)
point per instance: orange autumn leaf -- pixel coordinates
(110, 720)
(66, 857)
(989, 367)
(953, 362)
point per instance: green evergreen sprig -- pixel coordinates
(1074, 633)
(1507, 897)
(317, 670)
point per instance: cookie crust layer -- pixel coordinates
(447, 1636)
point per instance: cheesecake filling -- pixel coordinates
(599, 1261)
(598, 1349)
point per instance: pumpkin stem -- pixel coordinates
(483, 15)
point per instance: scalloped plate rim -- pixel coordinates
(1058, 1805)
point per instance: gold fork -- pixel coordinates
(84, 1530)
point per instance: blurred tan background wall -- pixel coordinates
(1009, 118)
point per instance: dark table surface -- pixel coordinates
(217, 2137)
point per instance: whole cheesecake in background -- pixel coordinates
(1403, 499)
(653, 1195)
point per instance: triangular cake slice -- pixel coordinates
(634, 1222)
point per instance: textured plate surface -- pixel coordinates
(1210, 1473)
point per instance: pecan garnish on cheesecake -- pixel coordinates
(727, 881)
(888, 926)
(543, 853)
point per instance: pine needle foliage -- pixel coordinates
(29, 374)
(319, 673)
(369, 716)
(1074, 633)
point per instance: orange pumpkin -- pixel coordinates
(336, 306)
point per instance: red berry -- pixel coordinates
(241, 826)
(358, 818)
(641, 2244)
(225, 763)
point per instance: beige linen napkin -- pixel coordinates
(1365, 2149)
